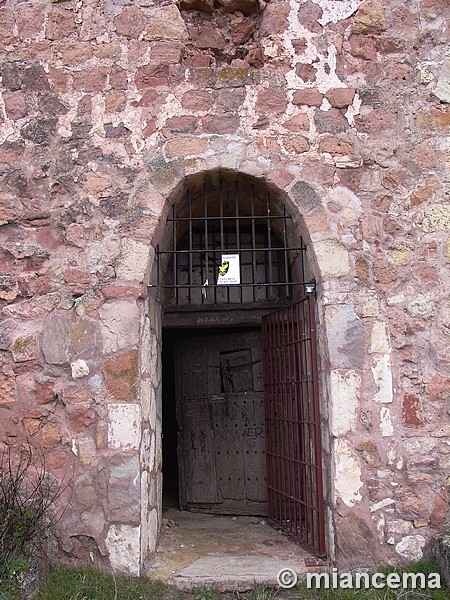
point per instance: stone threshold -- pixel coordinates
(226, 573)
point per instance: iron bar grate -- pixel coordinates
(230, 217)
(294, 463)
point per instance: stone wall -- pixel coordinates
(341, 107)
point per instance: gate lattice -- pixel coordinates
(293, 441)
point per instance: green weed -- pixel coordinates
(205, 594)
(89, 584)
(260, 592)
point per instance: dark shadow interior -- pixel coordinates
(169, 419)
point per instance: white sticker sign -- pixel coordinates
(229, 272)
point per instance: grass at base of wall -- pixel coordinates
(88, 584)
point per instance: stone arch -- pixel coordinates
(329, 260)
(344, 354)
(346, 359)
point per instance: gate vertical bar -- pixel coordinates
(267, 411)
(190, 246)
(285, 254)
(307, 429)
(175, 265)
(253, 243)
(269, 290)
(205, 220)
(238, 236)
(317, 425)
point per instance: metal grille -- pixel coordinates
(294, 463)
(229, 217)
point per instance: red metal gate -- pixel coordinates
(293, 444)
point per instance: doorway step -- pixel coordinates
(225, 553)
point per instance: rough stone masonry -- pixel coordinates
(107, 108)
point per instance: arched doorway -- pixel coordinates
(240, 416)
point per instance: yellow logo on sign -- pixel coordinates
(223, 269)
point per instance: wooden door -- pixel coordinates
(220, 413)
